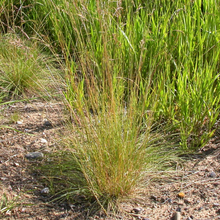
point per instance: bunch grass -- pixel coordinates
(24, 69)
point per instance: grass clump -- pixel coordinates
(23, 68)
(110, 154)
(114, 156)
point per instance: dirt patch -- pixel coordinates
(192, 189)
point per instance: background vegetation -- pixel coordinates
(131, 73)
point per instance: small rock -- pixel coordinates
(23, 210)
(34, 155)
(187, 201)
(16, 164)
(200, 208)
(19, 122)
(153, 197)
(212, 174)
(9, 188)
(162, 200)
(178, 209)
(181, 195)
(137, 210)
(47, 123)
(169, 200)
(215, 204)
(43, 141)
(8, 213)
(45, 191)
(155, 206)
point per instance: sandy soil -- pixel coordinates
(192, 190)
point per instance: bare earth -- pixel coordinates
(193, 189)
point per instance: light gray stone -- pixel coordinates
(45, 191)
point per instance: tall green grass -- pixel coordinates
(128, 65)
(163, 50)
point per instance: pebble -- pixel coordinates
(178, 209)
(137, 210)
(215, 204)
(153, 197)
(181, 195)
(45, 191)
(200, 208)
(162, 200)
(23, 210)
(19, 122)
(187, 201)
(8, 213)
(170, 200)
(212, 174)
(16, 164)
(47, 123)
(43, 141)
(34, 155)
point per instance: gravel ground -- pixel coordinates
(192, 191)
